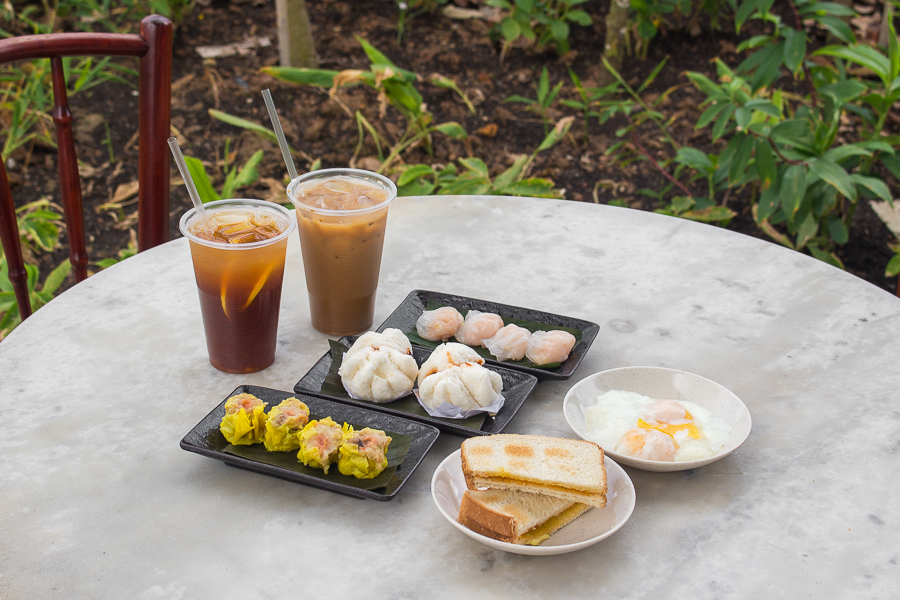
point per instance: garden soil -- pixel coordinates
(462, 50)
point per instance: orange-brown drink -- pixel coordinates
(239, 266)
(341, 216)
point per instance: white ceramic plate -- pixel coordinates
(660, 383)
(449, 484)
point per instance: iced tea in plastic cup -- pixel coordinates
(341, 217)
(239, 269)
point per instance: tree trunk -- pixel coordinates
(295, 40)
(616, 43)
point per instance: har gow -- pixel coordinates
(508, 343)
(546, 347)
(477, 327)
(439, 325)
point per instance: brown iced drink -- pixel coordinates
(341, 217)
(239, 266)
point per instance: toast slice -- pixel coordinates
(516, 517)
(571, 470)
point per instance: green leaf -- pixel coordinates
(874, 185)
(892, 164)
(838, 28)
(475, 164)
(559, 30)
(419, 187)
(790, 130)
(834, 175)
(201, 180)
(693, 158)
(318, 77)
(709, 215)
(722, 122)
(705, 84)
(893, 267)
(452, 129)
(414, 172)
(513, 173)
(543, 87)
(535, 187)
(763, 106)
(861, 55)
(794, 48)
(842, 152)
(510, 29)
(838, 230)
(826, 257)
(248, 175)
(522, 99)
(710, 113)
(769, 201)
(264, 132)
(808, 229)
(741, 158)
(793, 189)
(56, 277)
(558, 132)
(579, 16)
(843, 91)
(766, 169)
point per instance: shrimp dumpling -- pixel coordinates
(546, 347)
(440, 324)
(477, 327)
(379, 366)
(508, 343)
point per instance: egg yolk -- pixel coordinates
(670, 429)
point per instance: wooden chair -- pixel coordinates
(154, 47)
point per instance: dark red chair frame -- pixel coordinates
(154, 48)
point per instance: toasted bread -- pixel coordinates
(571, 470)
(516, 517)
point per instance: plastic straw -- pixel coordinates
(189, 184)
(279, 133)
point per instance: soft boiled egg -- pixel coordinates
(664, 430)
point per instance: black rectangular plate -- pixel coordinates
(516, 388)
(405, 316)
(206, 439)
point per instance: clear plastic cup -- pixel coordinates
(342, 248)
(239, 284)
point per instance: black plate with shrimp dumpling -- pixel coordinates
(410, 442)
(408, 312)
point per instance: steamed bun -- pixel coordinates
(469, 386)
(448, 355)
(379, 366)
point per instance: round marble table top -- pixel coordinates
(97, 500)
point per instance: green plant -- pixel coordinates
(130, 250)
(590, 100)
(395, 88)
(545, 98)
(235, 177)
(412, 9)
(544, 23)
(9, 310)
(420, 180)
(786, 148)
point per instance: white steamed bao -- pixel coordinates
(379, 366)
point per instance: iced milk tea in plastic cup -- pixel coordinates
(239, 270)
(341, 218)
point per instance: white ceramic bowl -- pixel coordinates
(660, 383)
(448, 486)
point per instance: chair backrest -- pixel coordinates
(154, 48)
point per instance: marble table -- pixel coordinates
(96, 390)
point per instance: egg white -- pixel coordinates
(618, 411)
